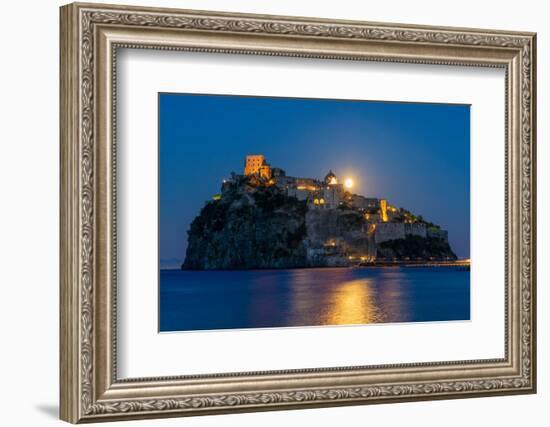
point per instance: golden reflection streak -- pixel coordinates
(352, 303)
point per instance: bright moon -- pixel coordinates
(348, 183)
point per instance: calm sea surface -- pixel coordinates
(198, 300)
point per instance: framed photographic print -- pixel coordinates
(264, 212)
(265, 246)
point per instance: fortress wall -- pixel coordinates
(439, 234)
(322, 224)
(332, 197)
(389, 231)
(361, 202)
(392, 230)
(299, 194)
(415, 229)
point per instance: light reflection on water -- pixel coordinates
(352, 302)
(198, 300)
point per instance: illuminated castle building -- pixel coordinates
(338, 222)
(255, 164)
(328, 193)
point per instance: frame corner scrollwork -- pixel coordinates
(84, 394)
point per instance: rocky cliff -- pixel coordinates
(249, 227)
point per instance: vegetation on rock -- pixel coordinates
(246, 230)
(415, 247)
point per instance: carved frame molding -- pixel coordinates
(90, 37)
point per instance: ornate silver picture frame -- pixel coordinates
(91, 391)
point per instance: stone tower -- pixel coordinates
(255, 164)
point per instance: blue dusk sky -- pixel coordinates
(415, 155)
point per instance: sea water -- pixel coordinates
(206, 300)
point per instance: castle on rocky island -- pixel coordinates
(389, 222)
(264, 218)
